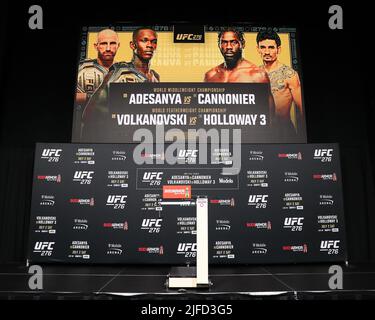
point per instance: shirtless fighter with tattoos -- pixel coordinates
(285, 83)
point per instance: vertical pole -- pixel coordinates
(202, 241)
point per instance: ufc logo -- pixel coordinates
(83, 174)
(188, 153)
(183, 247)
(116, 199)
(188, 36)
(258, 198)
(150, 223)
(330, 244)
(51, 152)
(44, 246)
(293, 221)
(323, 153)
(152, 176)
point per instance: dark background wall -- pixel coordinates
(37, 78)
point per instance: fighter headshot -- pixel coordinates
(235, 68)
(143, 45)
(91, 72)
(285, 83)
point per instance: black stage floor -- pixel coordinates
(281, 282)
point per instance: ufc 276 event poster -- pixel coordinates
(183, 78)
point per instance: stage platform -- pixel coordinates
(134, 282)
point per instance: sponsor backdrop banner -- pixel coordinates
(189, 77)
(92, 203)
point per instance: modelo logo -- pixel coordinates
(152, 223)
(186, 247)
(148, 176)
(187, 153)
(83, 175)
(293, 221)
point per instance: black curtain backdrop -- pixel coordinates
(37, 74)
(16, 168)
